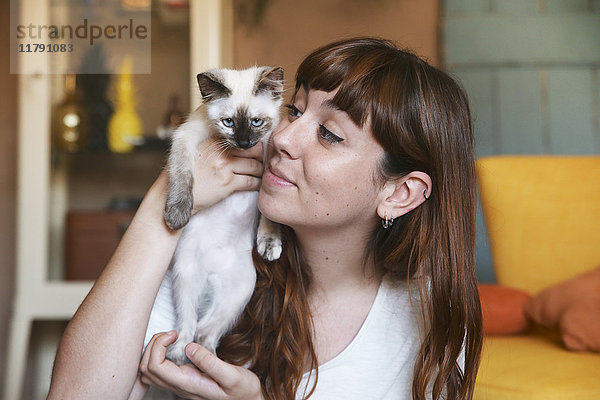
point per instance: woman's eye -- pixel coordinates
(228, 122)
(256, 122)
(293, 111)
(328, 136)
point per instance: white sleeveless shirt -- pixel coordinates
(378, 363)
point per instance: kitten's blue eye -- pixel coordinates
(256, 122)
(228, 122)
(328, 136)
(293, 111)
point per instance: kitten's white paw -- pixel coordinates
(269, 247)
(176, 352)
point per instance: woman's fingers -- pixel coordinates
(221, 372)
(233, 381)
(186, 380)
(146, 355)
(148, 376)
(212, 379)
(246, 166)
(159, 349)
(246, 183)
(221, 172)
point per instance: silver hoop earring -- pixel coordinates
(386, 222)
(425, 194)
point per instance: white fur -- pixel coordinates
(214, 255)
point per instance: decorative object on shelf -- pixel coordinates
(69, 120)
(125, 126)
(93, 86)
(173, 118)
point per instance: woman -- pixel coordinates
(372, 176)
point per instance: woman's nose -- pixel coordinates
(287, 139)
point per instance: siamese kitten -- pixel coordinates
(212, 276)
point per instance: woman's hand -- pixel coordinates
(219, 173)
(213, 379)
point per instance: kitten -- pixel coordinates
(212, 275)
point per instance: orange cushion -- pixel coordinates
(572, 306)
(502, 309)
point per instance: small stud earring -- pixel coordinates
(386, 222)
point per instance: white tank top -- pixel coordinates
(378, 363)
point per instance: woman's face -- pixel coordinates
(323, 168)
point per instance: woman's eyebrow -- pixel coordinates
(329, 103)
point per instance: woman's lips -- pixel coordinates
(276, 178)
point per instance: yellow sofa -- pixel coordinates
(543, 219)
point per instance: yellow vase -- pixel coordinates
(125, 126)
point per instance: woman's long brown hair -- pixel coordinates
(421, 118)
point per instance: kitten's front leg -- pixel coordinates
(268, 239)
(178, 209)
(182, 157)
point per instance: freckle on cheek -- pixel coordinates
(355, 187)
(328, 214)
(316, 192)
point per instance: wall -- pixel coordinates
(532, 72)
(8, 140)
(289, 31)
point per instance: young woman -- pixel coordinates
(374, 297)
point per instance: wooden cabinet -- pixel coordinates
(91, 238)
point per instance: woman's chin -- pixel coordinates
(269, 207)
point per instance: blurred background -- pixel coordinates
(531, 69)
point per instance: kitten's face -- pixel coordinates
(242, 106)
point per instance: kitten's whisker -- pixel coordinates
(223, 151)
(215, 152)
(223, 145)
(211, 150)
(218, 147)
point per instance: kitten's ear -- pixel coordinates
(270, 82)
(211, 87)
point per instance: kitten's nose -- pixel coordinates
(244, 144)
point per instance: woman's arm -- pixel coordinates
(99, 353)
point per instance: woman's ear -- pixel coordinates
(400, 196)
